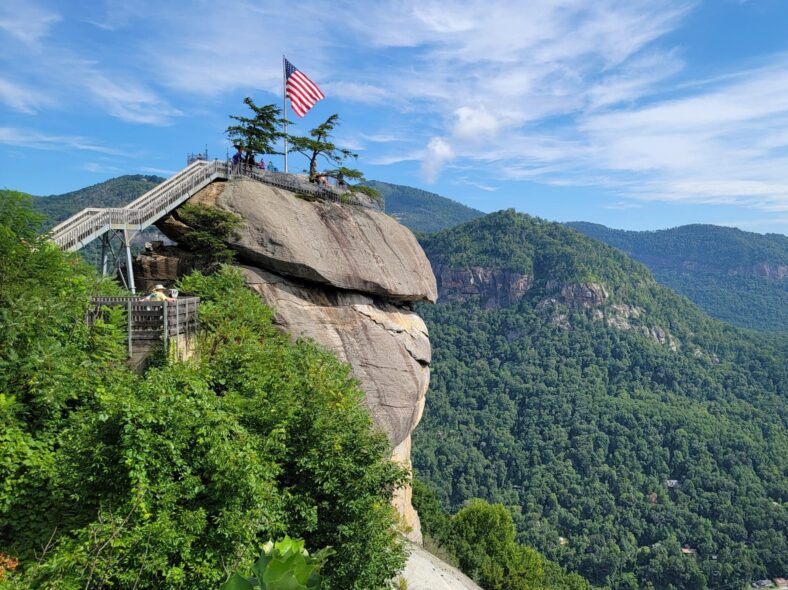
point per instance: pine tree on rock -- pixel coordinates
(257, 134)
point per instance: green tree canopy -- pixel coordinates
(257, 134)
(176, 477)
(319, 145)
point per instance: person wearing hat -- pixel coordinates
(159, 293)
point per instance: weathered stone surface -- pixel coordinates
(164, 264)
(424, 571)
(347, 247)
(495, 287)
(338, 274)
(583, 295)
(403, 497)
(387, 346)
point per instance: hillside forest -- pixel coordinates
(736, 276)
(631, 461)
(636, 462)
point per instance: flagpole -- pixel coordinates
(284, 104)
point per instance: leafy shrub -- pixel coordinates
(210, 230)
(285, 565)
(480, 539)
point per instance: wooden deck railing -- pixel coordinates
(151, 320)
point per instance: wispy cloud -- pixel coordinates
(99, 168)
(357, 92)
(130, 101)
(479, 185)
(158, 171)
(570, 93)
(29, 138)
(725, 144)
(23, 99)
(26, 22)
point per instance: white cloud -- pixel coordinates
(26, 22)
(129, 101)
(356, 92)
(474, 124)
(479, 185)
(439, 151)
(29, 138)
(158, 171)
(99, 168)
(23, 98)
(725, 143)
(563, 93)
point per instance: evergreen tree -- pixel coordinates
(257, 135)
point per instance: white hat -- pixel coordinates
(159, 288)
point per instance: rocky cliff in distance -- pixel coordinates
(498, 288)
(344, 276)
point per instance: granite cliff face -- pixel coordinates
(342, 275)
(496, 288)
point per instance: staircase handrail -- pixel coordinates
(143, 210)
(164, 197)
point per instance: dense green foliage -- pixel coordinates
(724, 270)
(422, 211)
(208, 233)
(176, 477)
(581, 431)
(285, 565)
(480, 538)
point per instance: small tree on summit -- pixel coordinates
(319, 145)
(258, 134)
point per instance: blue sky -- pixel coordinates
(639, 114)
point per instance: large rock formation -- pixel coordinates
(386, 345)
(345, 247)
(344, 276)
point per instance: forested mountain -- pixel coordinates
(420, 210)
(636, 440)
(115, 192)
(737, 276)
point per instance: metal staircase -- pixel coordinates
(120, 225)
(89, 224)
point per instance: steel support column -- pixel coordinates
(129, 270)
(105, 248)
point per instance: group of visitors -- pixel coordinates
(241, 159)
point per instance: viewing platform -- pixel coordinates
(173, 323)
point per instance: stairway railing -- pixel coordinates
(88, 224)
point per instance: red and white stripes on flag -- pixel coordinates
(302, 92)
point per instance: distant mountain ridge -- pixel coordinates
(115, 192)
(422, 211)
(737, 276)
(419, 210)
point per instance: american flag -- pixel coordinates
(302, 92)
